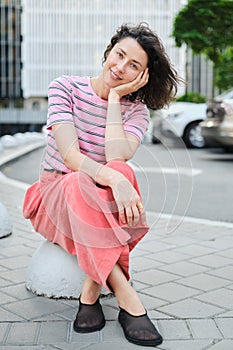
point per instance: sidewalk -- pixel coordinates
(184, 277)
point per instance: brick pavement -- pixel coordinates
(184, 274)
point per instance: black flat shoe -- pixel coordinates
(139, 329)
(90, 318)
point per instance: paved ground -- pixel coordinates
(183, 272)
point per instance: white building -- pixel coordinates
(70, 36)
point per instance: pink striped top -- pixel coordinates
(71, 99)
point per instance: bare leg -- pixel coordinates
(90, 291)
(126, 296)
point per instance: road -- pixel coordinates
(195, 183)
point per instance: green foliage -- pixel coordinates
(224, 70)
(192, 97)
(206, 26)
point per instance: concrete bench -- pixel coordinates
(54, 273)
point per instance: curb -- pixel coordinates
(21, 152)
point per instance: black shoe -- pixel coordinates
(139, 329)
(90, 318)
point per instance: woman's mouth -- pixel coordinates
(114, 75)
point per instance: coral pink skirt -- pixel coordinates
(72, 211)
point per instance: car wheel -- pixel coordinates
(155, 140)
(193, 136)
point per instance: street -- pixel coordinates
(195, 183)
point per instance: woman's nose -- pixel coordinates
(121, 66)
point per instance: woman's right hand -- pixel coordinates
(127, 200)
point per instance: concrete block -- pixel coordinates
(5, 222)
(54, 273)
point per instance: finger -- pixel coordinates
(122, 217)
(140, 207)
(129, 215)
(136, 215)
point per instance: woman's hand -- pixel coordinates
(128, 201)
(135, 85)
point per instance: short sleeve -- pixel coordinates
(60, 106)
(136, 120)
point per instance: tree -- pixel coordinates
(206, 26)
(224, 70)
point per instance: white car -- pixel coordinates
(180, 120)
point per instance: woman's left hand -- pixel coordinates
(135, 85)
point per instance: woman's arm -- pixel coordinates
(127, 199)
(118, 143)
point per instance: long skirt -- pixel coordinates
(74, 212)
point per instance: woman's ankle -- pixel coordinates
(90, 292)
(132, 304)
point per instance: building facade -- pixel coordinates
(43, 39)
(70, 36)
(10, 51)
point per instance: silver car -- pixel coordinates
(217, 129)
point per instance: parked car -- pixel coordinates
(180, 120)
(217, 129)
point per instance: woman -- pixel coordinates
(87, 199)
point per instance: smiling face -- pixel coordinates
(125, 62)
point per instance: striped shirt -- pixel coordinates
(71, 99)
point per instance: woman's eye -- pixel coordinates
(134, 66)
(119, 54)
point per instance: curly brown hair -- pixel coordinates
(163, 78)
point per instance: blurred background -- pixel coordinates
(44, 39)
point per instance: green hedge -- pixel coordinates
(192, 97)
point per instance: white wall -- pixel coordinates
(69, 36)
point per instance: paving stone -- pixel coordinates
(187, 344)
(142, 263)
(156, 246)
(212, 260)
(18, 291)
(7, 316)
(218, 243)
(183, 268)
(154, 277)
(112, 331)
(222, 297)
(195, 250)
(172, 257)
(138, 286)
(227, 314)
(224, 272)
(3, 329)
(179, 241)
(30, 347)
(171, 291)
(174, 329)
(22, 333)
(53, 332)
(33, 308)
(4, 282)
(227, 253)
(15, 263)
(204, 282)
(5, 299)
(204, 329)
(226, 327)
(16, 276)
(151, 302)
(17, 251)
(222, 345)
(190, 308)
